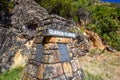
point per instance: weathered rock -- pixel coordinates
(55, 63)
(83, 16)
(11, 48)
(94, 40)
(27, 12)
(111, 49)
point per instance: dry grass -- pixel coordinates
(104, 66)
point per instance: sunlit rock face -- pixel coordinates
(9, 47)
(6, 42)
(16, 40)
(27, 12)
(27, 16)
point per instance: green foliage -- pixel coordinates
(106, 23)
(11, 75)
(65, 8)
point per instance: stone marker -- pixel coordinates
(56, 54)
(53, 59)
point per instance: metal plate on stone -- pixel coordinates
(60, 33)
(64, 56)
(39, 52)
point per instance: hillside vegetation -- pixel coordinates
(14, 74)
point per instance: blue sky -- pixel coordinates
(114, 1)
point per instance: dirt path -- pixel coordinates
(105, 66)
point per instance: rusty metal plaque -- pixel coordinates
(64, 56)
(39, 52)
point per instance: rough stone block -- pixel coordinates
(57, 78)
(63, 77)
(67, 70)
(47, 52)
(32, 70)
(32, 56)
(48, 71)
(71, 45)
(52, 70)
(46, 59)
(59, 68)
(56, 55)
(74, 67)
(70, 54)
(40, 71)
(29, 77)
(36, 63)
(38, 39)
(77, 63)
(24, 76)
(53, 57)
(58, 40)
(76, 78)
(51, 46)
(75, 73)
(50, 52)
(74, 51)
(79, 72)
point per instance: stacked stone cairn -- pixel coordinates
(52, 65)
(53, 58)
(48, 62)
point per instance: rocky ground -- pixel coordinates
(105, 66)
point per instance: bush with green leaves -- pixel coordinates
(14, 74)
(106, 23)
(65, 8)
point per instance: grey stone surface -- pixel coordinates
(32, 70)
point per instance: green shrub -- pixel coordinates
(13, 74)
(106, 23)
(64, 8)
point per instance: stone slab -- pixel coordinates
(68, 70)
(32, 70)
(74, 67)
(52, 70)
(51, 46)
(40, 71)
(57, 40)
